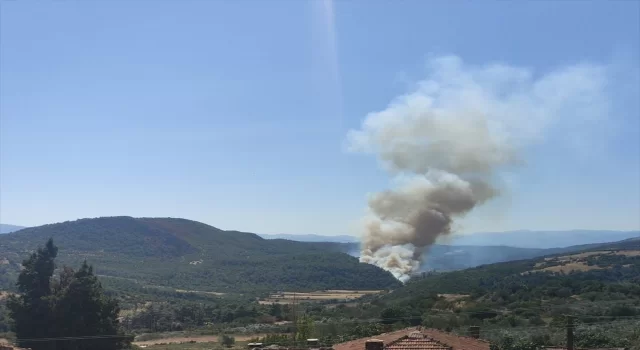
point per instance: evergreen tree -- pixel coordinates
(31, 310)
(82, 310)
(72, 307)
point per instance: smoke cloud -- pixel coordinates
(446, 142)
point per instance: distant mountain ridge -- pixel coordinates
(516, 239)
(152, 249)
(312, 238)
(490, 248)
(6, 228)
(191, 255)
(542, 239)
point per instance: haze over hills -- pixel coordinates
(192, 255)
(598, 259)
(441, 257)
(312, 238)
(146, 240)
(450, 257)
(597, 285)
(517, 239)
(542, 239)
(5, 228)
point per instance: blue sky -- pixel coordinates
(235, 113)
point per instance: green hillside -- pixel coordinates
(443, 257)
(458, 257)
(525, 300)
(610, 271)
(187, 254)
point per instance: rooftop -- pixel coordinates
(416, 341)
(419, 339)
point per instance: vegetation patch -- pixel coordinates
(453, 297)
(570, 267)
(326, 295)
(189, 255)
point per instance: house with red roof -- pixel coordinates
(415, 338)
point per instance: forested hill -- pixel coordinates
(605, 273)
(192, 255)
(523, 304)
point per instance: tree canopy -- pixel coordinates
(69, 311)
(191, 255)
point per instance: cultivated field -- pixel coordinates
(194, 342)
(581, 256)
(453, 297)
(578, 262)
(198, 291)
(569, 267)
(338, 295)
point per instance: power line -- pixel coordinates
(484, 331)
(106, 336)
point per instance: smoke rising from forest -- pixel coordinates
(446, 142)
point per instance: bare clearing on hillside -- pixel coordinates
(569, 267)
(580, 261)
(196, 339)
(628, 252)
(576, 256)
(453, 297)
(340, 295)
(581, 256)
(198, 291)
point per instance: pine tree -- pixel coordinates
(82, 310)
(73, 306)
(31, 310)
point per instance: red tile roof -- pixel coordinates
(438, 341)
(416, 341)
(358, 344)
(457, 342)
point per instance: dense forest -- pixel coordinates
(68, 311)
(190, 255)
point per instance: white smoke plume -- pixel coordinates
(446, 142)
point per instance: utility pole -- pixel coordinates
(570, 327)
(295, 319)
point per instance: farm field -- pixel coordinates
(192, 346)
(340, 295)
(194, 342)
(581, 262)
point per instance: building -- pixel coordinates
(416, 339)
